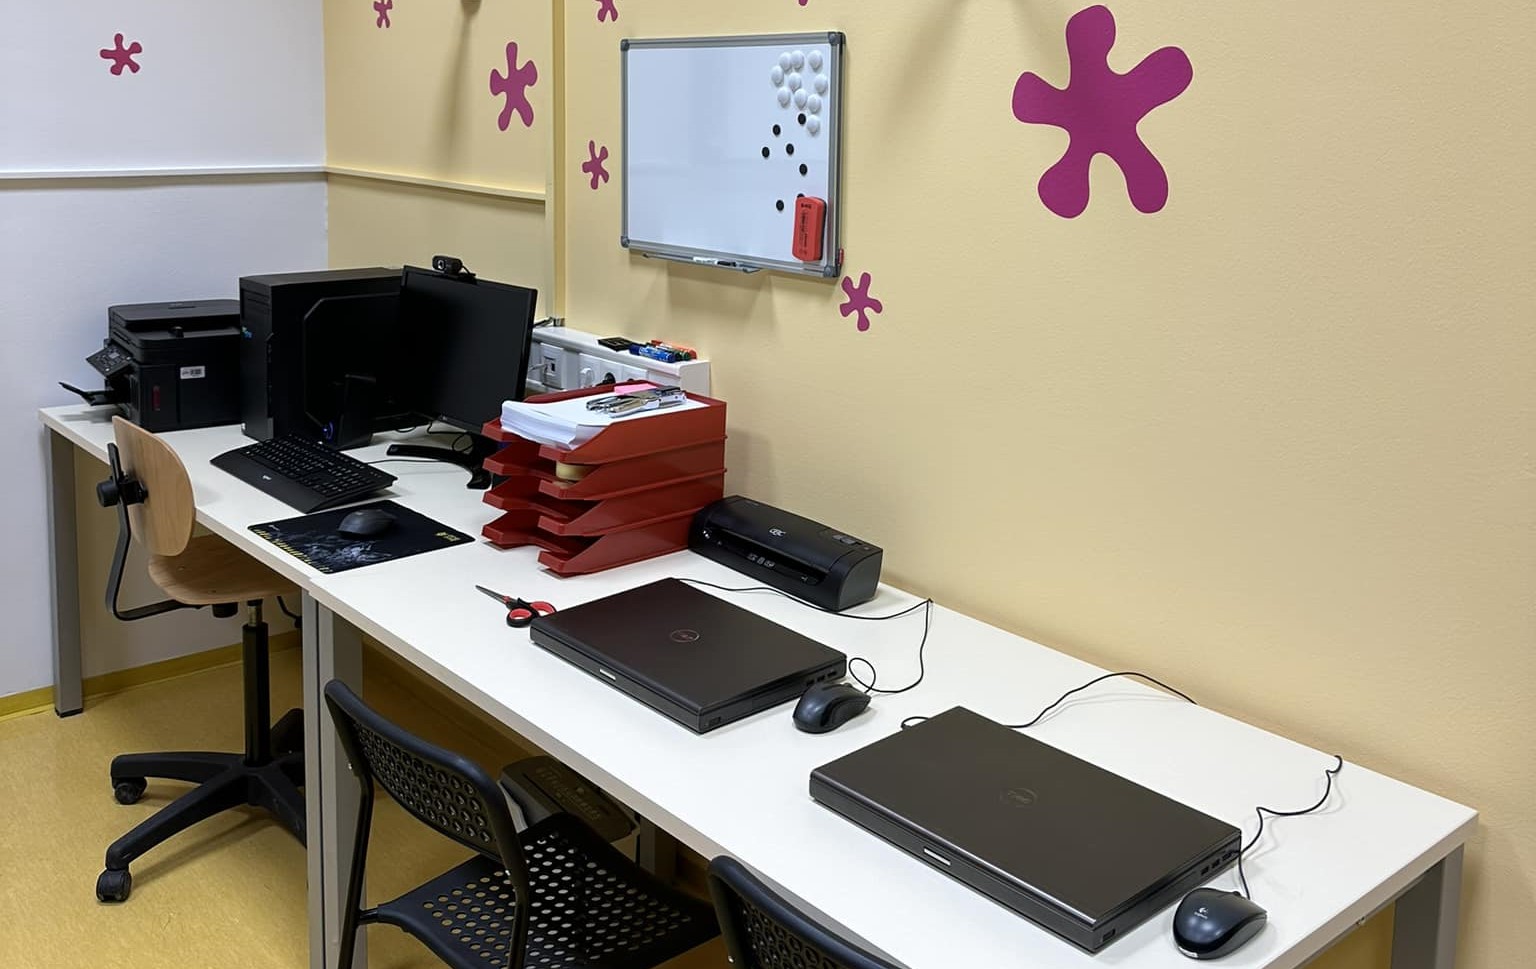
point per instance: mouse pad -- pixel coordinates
(313, 539)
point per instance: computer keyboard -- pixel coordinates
(306, 475)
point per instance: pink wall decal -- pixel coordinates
(606, 11)
(122, 56)
(382, 8)
(1100, 110)
(859, 300)
(594, 164)
(515, 86)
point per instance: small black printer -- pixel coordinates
(171, 366)
(804, 558)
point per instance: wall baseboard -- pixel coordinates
(41, 699)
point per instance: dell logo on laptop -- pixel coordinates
(776, 532)
(685, 636)
(1019, 796)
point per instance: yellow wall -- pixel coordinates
(411, 104)
(1272, 443)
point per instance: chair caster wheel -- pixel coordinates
(128, 790)
(113, 886)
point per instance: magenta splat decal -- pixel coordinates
(859, 301)
(382, 9)
(606, 11)
(514, 86)
(121, 56)
(1100, 110)
(594, 164)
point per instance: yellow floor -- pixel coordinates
(229, 892)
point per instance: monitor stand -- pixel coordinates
(472, 460)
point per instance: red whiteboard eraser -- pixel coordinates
(810, 220)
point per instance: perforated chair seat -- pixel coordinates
(591, 908)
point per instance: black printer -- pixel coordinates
(805, 558)
(171, 366)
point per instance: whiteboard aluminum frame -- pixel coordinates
(830, 265)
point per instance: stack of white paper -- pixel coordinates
(568, 423)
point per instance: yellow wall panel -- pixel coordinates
(379, 223)
(1272, 442)
(415, 97)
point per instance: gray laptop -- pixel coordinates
(1083, 852)
(692, 656)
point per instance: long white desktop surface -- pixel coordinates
(742, 789)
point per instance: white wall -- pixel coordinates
(221, 85)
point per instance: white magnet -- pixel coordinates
(813, 104)
(813, 124)
(797, 59)
(794, 81)
(800, 98)
(784, 96)
(814, 59)
(777, 74)
(820, 84)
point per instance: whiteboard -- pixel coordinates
(721, 137)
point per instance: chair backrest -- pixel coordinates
(762, 931)
(447, 791)
(164, 520)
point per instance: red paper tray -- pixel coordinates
(599, 518)
(579, 556)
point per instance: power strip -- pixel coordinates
(567, 359)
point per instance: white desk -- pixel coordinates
(741, 790)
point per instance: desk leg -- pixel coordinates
(1424, 924)
(656, 851)
(332, 650)
(63, 564)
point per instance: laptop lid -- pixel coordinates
(692, 648)
(1088, 842)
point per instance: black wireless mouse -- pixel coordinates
(1211, 923)
(827, 706)
(366, 523)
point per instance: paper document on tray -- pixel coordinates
(570, 423)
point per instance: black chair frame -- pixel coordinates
(555, 894)
(762, 931)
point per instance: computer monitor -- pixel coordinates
(466, 344)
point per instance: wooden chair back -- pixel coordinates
(164, 520)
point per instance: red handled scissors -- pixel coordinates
(520, 612)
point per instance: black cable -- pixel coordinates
(926, 605)
(297, 620)
(1329, 773)
(909, 721)
(1098, 679)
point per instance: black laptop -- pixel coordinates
(696, 658)
(1083, 852)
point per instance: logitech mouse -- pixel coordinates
(1210, 923)
(827, 706)
(366, 523)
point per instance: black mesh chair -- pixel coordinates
(763, 932)
(556, 895)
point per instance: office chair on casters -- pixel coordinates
(153, 496)
(762, 931)
(556, 895)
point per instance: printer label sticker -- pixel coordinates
(193, 373)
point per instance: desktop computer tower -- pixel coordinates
(272, 312)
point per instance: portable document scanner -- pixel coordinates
(804, 558)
